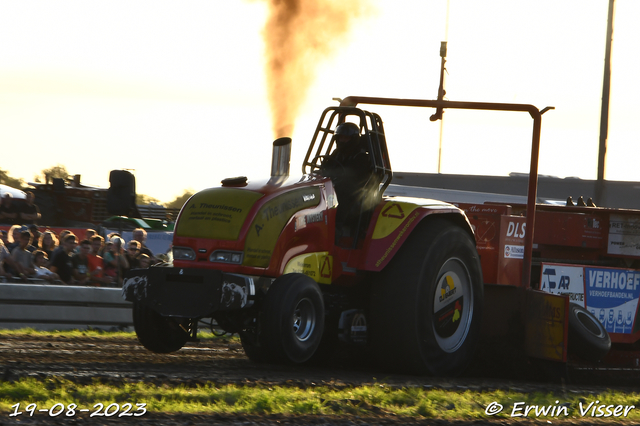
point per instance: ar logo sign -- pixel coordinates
(562, 285)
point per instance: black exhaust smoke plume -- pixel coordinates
(298, 35)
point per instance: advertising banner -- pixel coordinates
(564, 280)
(624, 235)
(612, 296)
(511, 249)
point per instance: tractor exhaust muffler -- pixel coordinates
(281, 157)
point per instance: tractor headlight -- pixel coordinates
(183, 253)
(224, 256)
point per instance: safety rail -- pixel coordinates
(62, 307)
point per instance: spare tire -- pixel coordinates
(588, 339)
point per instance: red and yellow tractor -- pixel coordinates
(298, 265)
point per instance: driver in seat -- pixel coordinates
(349, 167)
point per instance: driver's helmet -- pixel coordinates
(347, 134)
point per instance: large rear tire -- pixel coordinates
(426, 305)
(291, 321)
(157, 333)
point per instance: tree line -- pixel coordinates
(60, 171)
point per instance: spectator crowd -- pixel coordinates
(64, 258)
(26, 252)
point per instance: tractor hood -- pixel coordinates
(216, 213)
(220, 213)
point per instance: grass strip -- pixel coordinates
(67, 333)
(202, 334)
(366, 400)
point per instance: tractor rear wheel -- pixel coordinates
(157, 333)
(426, 305)
(291, 322)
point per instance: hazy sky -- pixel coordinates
(176, 90)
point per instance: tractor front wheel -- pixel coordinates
(157, 333)
(291, 321)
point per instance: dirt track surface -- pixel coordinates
(116, 360)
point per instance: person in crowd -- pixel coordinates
(30, 213)
(132, 254)
(89, 233)
(48, 243)
(115, 262)
(140, 235)
(97, 245)
(61, 263)
(8, 210)
(63, 234)
(5, 262)
(40, 260)
(35, 231)
(80, 262)
(144, 261)
(22, 257)
(107, 247)
(30, 248)
(14, 237)
(96, 264)
(4, 236)
(108, 242)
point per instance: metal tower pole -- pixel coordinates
(604, 111)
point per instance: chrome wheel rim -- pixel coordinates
(304, 319)
(452, 305)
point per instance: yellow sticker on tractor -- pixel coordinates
(267, 226)
(391, 216)
(216, 213)
(318, 266)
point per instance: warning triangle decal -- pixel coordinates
(393, 211)
(325, 271)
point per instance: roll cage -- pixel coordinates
(441, 105)
(372, 137)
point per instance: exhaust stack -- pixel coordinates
(281, 157)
